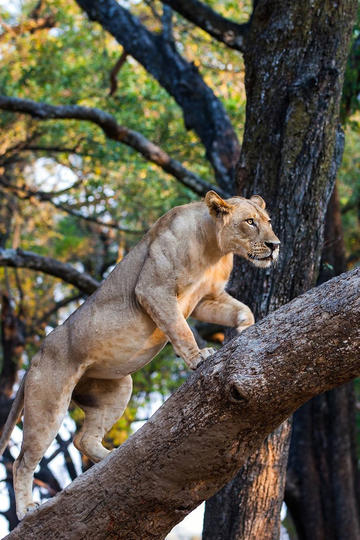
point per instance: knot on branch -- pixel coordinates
(236, 393)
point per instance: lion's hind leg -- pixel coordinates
(103, 401)
(47, 397)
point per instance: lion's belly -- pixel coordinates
(126, 350)
(115, 368)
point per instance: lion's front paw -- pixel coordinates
(203, 353)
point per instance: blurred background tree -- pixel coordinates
(75, 191)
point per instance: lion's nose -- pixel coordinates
(272, 245)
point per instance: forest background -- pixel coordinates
(76, 194)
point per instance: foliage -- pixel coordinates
(349, 190)
(351, 91)
(349, 186)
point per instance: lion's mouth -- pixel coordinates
(264, 262)
(255, 258)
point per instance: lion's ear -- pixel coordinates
(217, 206)
(259, 201)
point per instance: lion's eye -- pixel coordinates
(250, 221)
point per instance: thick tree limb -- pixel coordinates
(204, 432)
(114, 131)
(17, 258)
(222, 29)
(202, 111)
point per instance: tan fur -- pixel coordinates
(179, 268)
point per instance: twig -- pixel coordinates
(115, 71)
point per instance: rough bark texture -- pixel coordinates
(322, 482)
(322, 489)
(295, 54)
(202, 111)
(258, 487)
(203, 433)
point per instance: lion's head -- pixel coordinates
(244, 227)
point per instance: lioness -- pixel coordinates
(179, 268)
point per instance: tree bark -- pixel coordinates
(204, 432)
(295, 55)
(244, 501)
(322, 488)
(323, 484)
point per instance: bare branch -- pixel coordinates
(205, 431)
(17, 258)
(114, 131)
(222, 29)
(114, 72)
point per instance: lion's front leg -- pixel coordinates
(225, 310)
(161, 304)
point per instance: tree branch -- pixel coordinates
(222, 29)
(204, 432)
(114, 72)
(31, 26)
(34, 22)
(203, 111)
(17, 258)
(23, 192)
(113, 131)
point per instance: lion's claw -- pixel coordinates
(204, 353)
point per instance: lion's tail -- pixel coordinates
(14, 415)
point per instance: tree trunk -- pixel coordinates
(244, 508)
(295, 55)
(323, 483)
(322, 489)
(204, 432)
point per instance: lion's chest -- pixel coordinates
(208, 281)
(190, 296)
